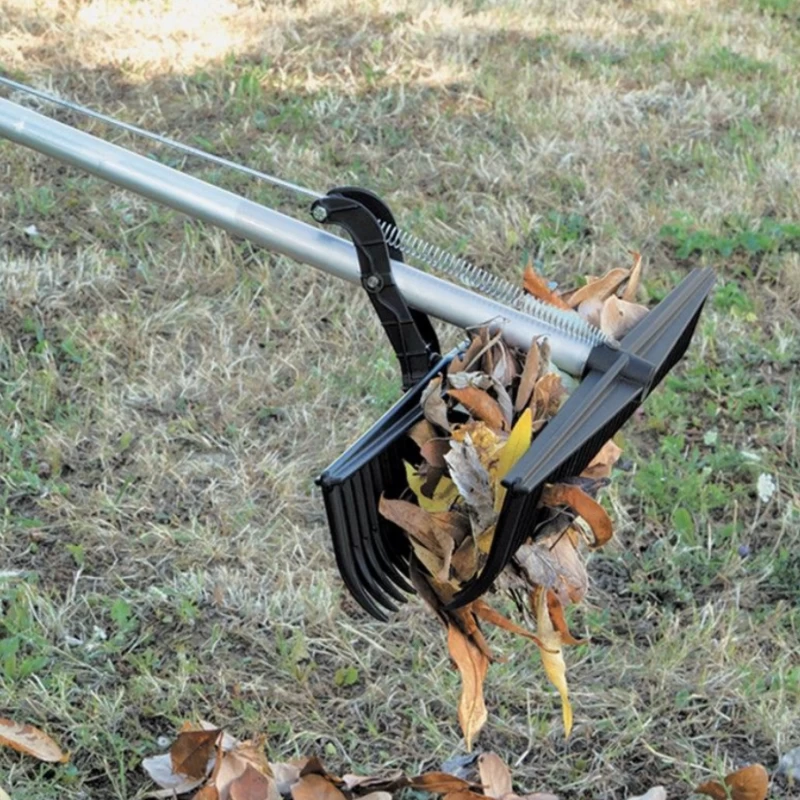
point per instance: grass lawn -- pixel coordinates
(167, 394)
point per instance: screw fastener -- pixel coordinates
(320, 213)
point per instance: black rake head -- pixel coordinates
(373, 554)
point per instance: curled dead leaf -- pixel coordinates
(618, 317)
(748, 783)
(441, 782)
(482, 405)
(473, 666)
(530, 374)
(599, 289)
(602, 464)
(635, 277)
(556, 611)
(587, 507)
(537, 286)
(433, 404)
(31, 741)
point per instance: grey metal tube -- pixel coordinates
(273, 230)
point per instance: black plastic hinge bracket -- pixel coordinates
(410, 332)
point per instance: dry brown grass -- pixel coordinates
(168, 394)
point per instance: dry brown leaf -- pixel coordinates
(537, 286)
(434, 450)
(159, 768)
(602, 464)
(472, 479)
(285, 774)
(591, 310)
(473, 666)
(209, 792)
(482, 609)
(31, 741)
(547, 396)
(481, 405)
(253, 785)
(417, 523)
(315, 787)
(464, 561)
(633, 281)
(552, 655)
(376, 796)
(433, 404)
(530, 374)
(191, 752)
(495, 775)
(618, 317)
(556, 611)
(422, 432)
(748, 783)
(573, 580)
(393, 779)
(587, 507)
(439, 782)
(466, 794)
(599, 289)
(472, 353)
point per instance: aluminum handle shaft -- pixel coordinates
(274, 231)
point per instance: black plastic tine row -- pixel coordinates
(372, 553)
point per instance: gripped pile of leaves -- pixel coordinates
(480, 418)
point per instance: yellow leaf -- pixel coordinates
(552, 656)
(518, 442)
(473, 666)
(444, 495)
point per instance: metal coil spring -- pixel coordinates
(493, 286)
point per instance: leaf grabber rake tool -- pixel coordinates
(372, 554)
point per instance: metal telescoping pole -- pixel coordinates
(273, 230)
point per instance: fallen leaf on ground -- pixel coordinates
(31, 741)
(285, 774)
(538, 287)
(209, 792)
(159, 768)
(547, 396)
(253, 785)
(656, 793)
(315, 787)
(390, 779)
(439, 782)
(473, 665)
(748, 783)
(375, 796)
(495, 775)
(191, 753)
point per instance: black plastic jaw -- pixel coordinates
(614, 385)
(372, 553)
